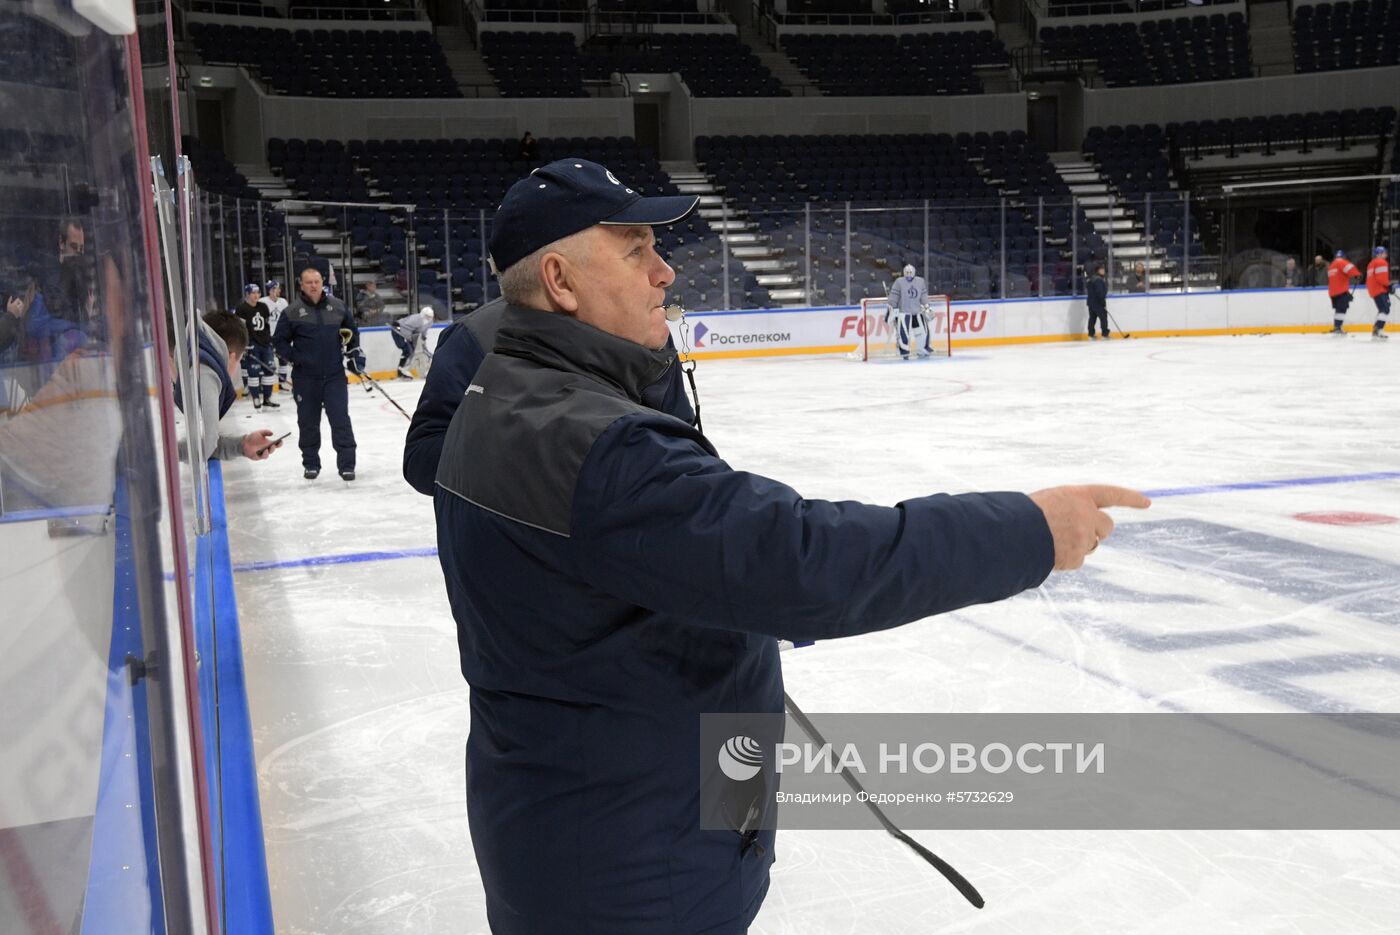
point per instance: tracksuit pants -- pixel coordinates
(1100, 316)
(314, 393)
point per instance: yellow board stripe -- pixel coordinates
(1023, 339)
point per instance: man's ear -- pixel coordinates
(233, 368)
(557, 279)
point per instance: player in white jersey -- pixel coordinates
(407, 332)
(908, 313)
(272, 298)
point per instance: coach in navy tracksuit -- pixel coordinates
(612, 579)
(461, 348)
(309, 335)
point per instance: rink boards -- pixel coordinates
(981, 322)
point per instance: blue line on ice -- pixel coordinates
(352, 558)
(1272, 484)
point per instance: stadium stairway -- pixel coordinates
(324, 236)
(776, 62)
(1270, 37)
(465, 62)
(746, 244)
(1104, 208)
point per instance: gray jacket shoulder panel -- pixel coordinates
(528, 431)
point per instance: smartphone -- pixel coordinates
(273, 444)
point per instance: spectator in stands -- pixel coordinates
(1317, 276)
(1137, 279)
(529, 150)
(1098, 301)
(17, 302)
(1292, 276)
(223, 338)
(369, 304)
(69, 291)
(563, 499)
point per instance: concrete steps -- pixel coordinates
(464, 60)
(1270, 38)
(754, 250)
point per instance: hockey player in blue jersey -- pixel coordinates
(907, 300)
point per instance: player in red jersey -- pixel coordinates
(1379, 287)
(1339, 280)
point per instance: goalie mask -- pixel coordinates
(909, 270)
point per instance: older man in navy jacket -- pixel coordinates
(612, 579)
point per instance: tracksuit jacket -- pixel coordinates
(461, 348)
(308, 336)
(612, 578)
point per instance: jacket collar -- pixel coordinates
(561, 342)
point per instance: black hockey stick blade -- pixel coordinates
(949, 872)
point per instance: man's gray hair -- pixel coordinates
(521, 283)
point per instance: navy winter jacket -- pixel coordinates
(309, 336)
(612, 579)
(461, 348)
(1098, 294)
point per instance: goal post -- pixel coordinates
(879, 337)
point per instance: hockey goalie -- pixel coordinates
(907, 312)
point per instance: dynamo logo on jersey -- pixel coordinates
(700, 332)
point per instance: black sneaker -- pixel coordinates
(347, 475)
(269, 404)
(311, 473)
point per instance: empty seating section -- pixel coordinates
(808, 7)
(1282, 131)
(656, 11)
(214, 173)
(352, 9)
(36, 53)
(1111, 7)
(1134, 161)
(333, 62)
(1179, 50)
(534, 11)
(455, 185)
(712, 64)
(863, 13)
(1360, 34)
(952, 202)
(885, 65)
(533, 64)
(229, 8)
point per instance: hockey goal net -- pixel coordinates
(879, 337)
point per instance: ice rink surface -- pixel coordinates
(1218, 599)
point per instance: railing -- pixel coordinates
(391, 14)
(1045, 10)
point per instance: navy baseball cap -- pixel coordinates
(565, 197)
(273, 284)
(251, 287)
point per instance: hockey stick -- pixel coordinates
(374, 383)
(345, 335)
(950, 874)
(1121, 332)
